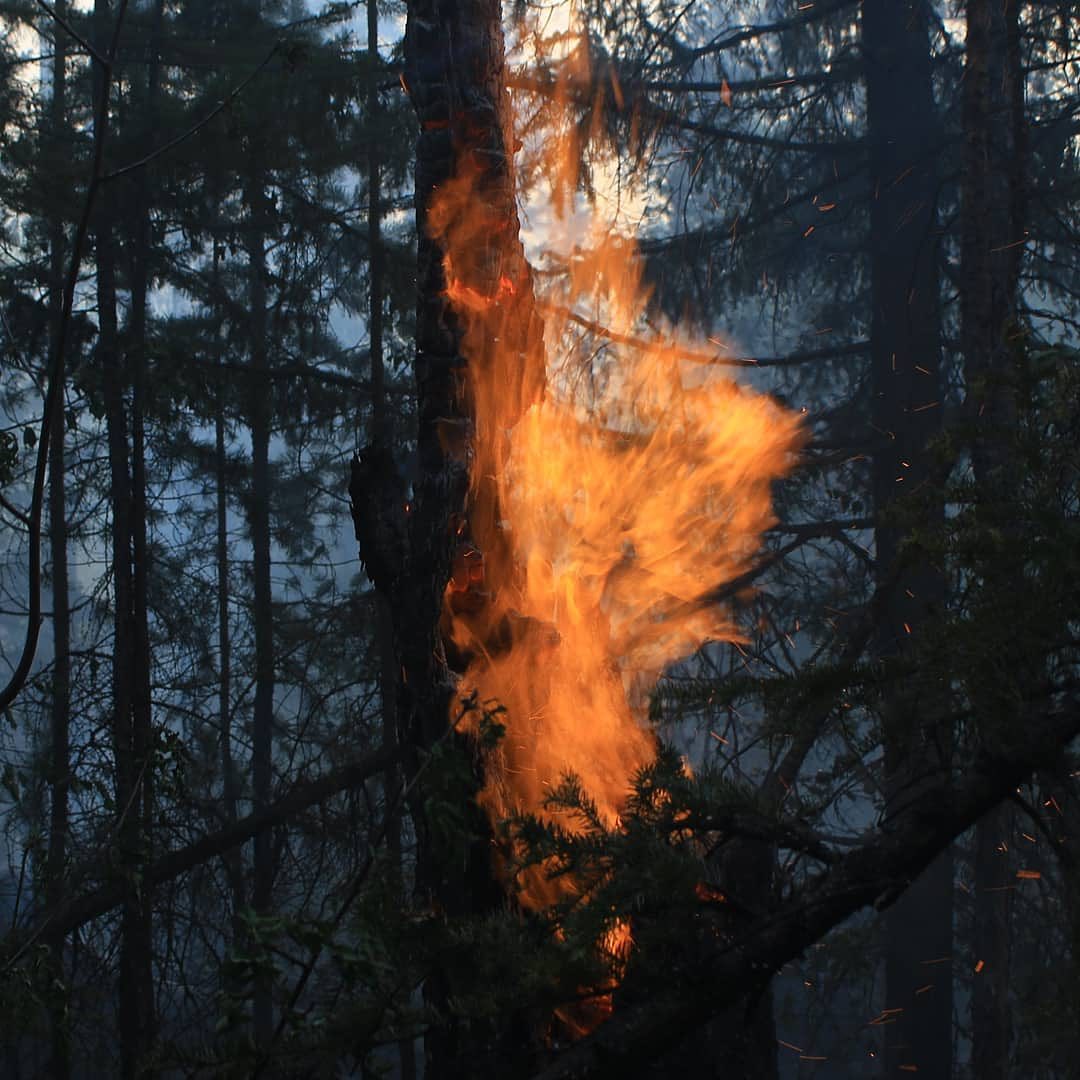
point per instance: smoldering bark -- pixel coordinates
(906, 416)
(451, 50)
(455, 76)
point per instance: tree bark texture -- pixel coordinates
(906, 415)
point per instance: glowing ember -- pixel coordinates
(602, 517)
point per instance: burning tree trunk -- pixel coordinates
(454, 55)
(454, 64)
(559, 551)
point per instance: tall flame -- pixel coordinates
(623, 500)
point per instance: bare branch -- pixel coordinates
(700, 356)
(85, 45)
(14, 511)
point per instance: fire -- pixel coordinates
(615, 486)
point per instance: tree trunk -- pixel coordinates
(135, 1002)
(990, 990)
(262, 606)
(992, 232)
(142, 734)
(60, 764)
(382, 436)
(906, 415)
(234, 863)
(454, 73)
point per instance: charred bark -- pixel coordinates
(453, 55)
(906, 416)
(454, 65)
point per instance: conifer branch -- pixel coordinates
(54, 394)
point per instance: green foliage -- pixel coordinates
(651, 871)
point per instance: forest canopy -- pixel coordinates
(539, 540)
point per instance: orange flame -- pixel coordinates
(605, 512)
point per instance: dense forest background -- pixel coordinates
(239, 836)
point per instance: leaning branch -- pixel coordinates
(876, 873)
